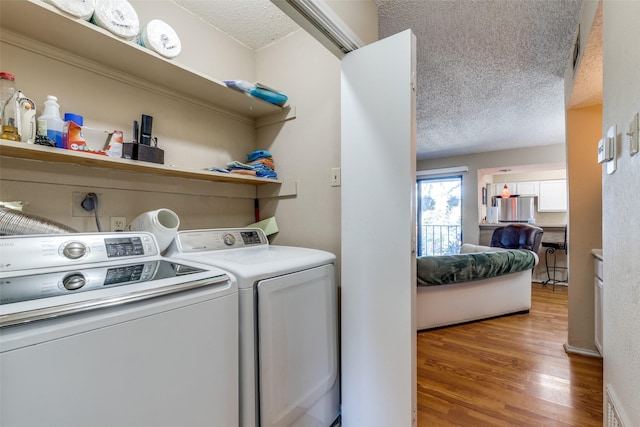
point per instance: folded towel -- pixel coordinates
(258, 154)
(267, 173)
(215, 169)
(244, 172)
(264, 161)
(238, 165)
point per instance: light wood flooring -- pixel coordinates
(508, 371)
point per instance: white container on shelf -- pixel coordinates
(79, 8)
(118, 17)
(50, 122)
(160, 37)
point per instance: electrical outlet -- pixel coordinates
(335, 177)
(118, 223)
(76, 204)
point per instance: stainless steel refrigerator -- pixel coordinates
(515, 208)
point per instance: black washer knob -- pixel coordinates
(74, 281)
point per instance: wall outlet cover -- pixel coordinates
(118, 223)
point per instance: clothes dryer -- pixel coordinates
(288, 324)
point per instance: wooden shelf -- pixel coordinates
(22, 150)
(44, 23)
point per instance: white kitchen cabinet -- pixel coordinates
(552, 196)
(524, 188)
(497, 188)
(528, 188)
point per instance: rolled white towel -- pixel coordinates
(118, 17)
(79, 8)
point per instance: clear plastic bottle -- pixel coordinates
(8, 103)
(51, 121)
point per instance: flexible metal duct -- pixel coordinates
(13, 222)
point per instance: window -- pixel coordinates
(439, 215)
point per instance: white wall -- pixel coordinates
(361, 16)
(470, 189)
(621, 207)
(204, 47)
(307, 148)
(584, 222)
(587, 15)
(192, 136)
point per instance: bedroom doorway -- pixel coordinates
(439, 220)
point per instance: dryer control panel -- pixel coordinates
(218, 239)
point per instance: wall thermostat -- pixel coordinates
(605, 150)
(612, 142)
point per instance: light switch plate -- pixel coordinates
(335, 177)
(632, 135)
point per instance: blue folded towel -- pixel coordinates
(258, 154)
(267, 173)
(238, 165)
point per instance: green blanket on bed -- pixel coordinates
(447, 269)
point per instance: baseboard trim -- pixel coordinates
(581, 351)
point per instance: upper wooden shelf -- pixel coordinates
(44, 23)
(22, 150)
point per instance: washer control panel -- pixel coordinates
(218, 239)
(62, 250)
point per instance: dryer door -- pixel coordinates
(298, 348)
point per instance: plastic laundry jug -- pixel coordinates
(50, 123)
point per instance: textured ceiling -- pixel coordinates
(490, 72)
(254, 23)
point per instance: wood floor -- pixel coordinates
(508, 371)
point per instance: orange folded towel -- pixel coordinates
(244, 172)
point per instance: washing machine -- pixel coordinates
(98, 329)
(288, 321)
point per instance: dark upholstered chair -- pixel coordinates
(517, 236)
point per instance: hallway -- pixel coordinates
(508, 371)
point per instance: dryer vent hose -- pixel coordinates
(13, 222)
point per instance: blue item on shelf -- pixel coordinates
(258, 154)
(269, 95)
(258, 90)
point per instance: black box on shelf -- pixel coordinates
(145, 153)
